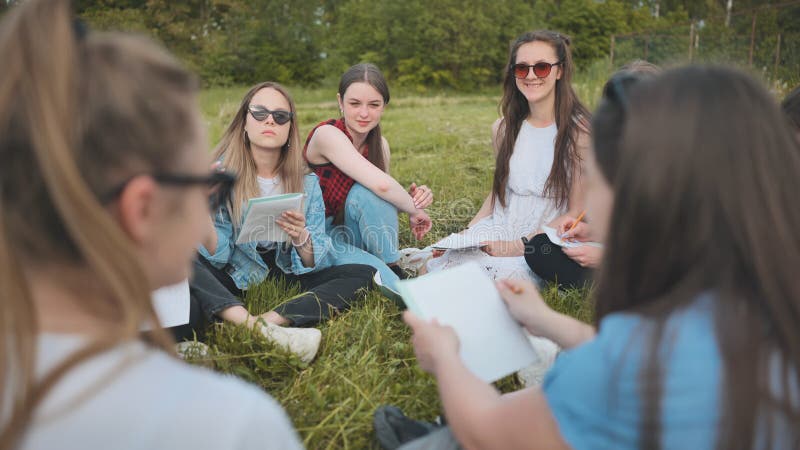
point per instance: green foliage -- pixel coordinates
(453, 44)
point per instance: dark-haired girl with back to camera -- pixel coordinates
(351, 158)
(104, 198)
(539, 143)
(261, 146)
(697, 298)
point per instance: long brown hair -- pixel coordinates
(79, 113)
(571, 119)
(370, 74)
(234, 148)
(712, 175)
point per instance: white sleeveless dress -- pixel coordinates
(526, 210)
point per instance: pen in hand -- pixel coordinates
(574, 224)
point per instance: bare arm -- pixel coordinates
(577, 192)
(527, 306)
(478, 415)
(482, 418)
(332, 145)
(485, 211)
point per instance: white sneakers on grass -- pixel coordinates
(303, 342)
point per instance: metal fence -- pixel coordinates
(766, 38)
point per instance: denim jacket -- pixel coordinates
(243, 262)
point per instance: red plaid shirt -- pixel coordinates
(334, 183)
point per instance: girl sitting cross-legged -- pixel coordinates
(540, 142)
(261, 146)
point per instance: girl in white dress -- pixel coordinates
(539, 143)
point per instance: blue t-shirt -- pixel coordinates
(595, 390)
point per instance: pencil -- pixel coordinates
(574, 224)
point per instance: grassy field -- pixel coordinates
(366, 360)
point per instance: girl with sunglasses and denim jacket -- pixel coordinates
(261, 147)
(539, 144)
(351, 158)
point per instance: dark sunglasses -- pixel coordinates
(220, 186)
(279, 116)
(540, 69)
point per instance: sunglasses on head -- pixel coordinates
(261, 113)
(540, 69)
(219, 184)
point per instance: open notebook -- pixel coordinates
(260, 214)
(171, 304)
(493, 344)
(552, 234)
(458, 241)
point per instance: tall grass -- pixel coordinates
(366, 360)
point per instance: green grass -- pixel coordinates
(366, 359)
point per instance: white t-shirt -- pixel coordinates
(136, 397)
(270, 186)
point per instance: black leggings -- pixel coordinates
(325, 291)
(550, 263)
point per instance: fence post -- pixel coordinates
(691, 42)
(613, 39)
(777, 59)
(752, 39)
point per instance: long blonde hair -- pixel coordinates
(234, 148)
(79, 113)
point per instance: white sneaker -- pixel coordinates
(303, 342)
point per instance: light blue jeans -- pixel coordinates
(368, 234)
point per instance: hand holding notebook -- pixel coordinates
(260, 214)
(492, 343)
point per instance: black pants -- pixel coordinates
(550, 263)
(325, 291)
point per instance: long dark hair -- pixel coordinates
(571, 119)
(711, 175)
(370, 74)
